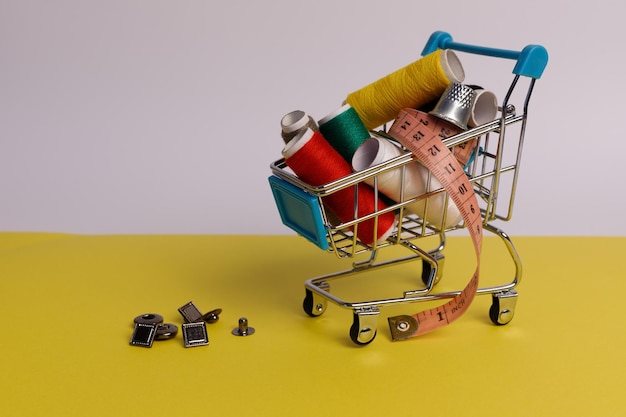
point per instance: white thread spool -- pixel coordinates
(295, 122)
(484, 109)
(375, 151)
(451, 66)
(434, 213)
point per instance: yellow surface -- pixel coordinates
(68, 302)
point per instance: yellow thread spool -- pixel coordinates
(410, 87)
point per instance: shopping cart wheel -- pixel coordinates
(427, 268)
(502, 307)
(363, 329)
(314, 304)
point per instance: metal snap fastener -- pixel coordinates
(149, 318)
(212, 316)
(243, 329)
(165, 331)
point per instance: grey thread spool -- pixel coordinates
(295, 122)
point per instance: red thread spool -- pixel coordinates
(316, 162)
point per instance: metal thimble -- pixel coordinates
(455, 105)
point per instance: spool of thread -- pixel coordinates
(410, 87)
(432, 208)
(405, 186)
(316, 162)
(295, 122)
(375, 151)
(344, 130)
(484, 108)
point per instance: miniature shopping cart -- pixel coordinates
(493, 172)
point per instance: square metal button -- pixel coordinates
(144, 334)
(190, 312)
(195, 334)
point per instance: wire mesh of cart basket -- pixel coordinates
(493, 172)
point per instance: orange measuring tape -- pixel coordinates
(424, 140)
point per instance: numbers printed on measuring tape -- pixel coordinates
(418, 135)
(437, 158)
(445, 132)
(406, 124)
(434, 150)
(450, 168)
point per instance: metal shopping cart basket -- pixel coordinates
(493, 173)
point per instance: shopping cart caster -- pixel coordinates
(363, 329)
(503, 307)
(314, 304)
(427, 268)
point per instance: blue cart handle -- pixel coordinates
(531, 61)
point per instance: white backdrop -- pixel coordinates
(131, 116)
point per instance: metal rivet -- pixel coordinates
(212, 316)
(149, 318)
(243, 329)
(403, 326)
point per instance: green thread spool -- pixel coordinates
(344, 130)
